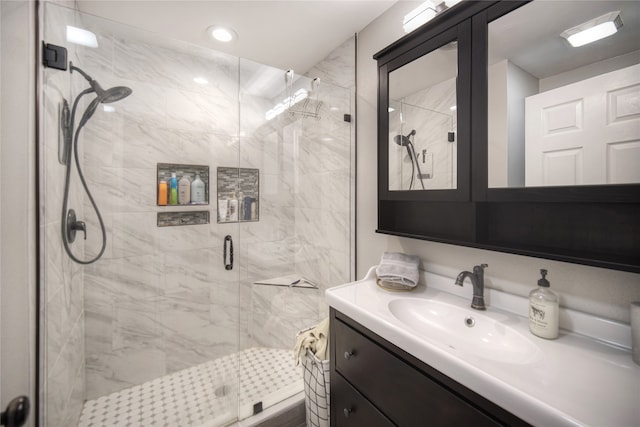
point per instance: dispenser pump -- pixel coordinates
(543, 309)
(543, 281)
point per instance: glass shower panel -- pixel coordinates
(295, 131)
(149, 333)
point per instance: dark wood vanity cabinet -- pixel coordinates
(585, 221)
(375, 383)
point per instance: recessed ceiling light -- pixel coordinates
(595, 29)
(222, 34)
(200, 80)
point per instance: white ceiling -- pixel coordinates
(530, 36)
(293, 34)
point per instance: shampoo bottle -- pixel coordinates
(173, 189)
(543, 310)
(197, 190)
(184, 190)
(162, 193)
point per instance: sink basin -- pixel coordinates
(466, 330)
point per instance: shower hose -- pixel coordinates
(63, 220)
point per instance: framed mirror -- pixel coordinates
(423, 122)
(558, 114)
(505, 63)
(424, 134)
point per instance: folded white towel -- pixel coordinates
(315, 339)
(399, 268)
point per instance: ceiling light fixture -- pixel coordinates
(222, 34)
(200, 80)
(425, 13)
(81, 36)
(595, 29)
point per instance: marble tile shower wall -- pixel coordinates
(316, 166)
(158, 301)
(428, 112)
(62, 291)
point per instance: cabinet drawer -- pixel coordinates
(406, 395)
(351, 409)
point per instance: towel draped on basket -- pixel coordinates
(315, 340)
(312, 351)
(398, 271)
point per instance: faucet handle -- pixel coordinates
(479, 269)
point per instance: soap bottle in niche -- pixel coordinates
(543, 310)
(233, 208)
(162, 193)
(173, 189)
(197, 190)
(184, 190)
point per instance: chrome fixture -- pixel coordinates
(477, 281)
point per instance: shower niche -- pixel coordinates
(238, 195)
(196, 196)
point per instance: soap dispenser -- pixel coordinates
(543, 309)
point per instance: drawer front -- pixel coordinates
(404, 394)
(349, 408)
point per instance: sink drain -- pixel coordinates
(470, 322)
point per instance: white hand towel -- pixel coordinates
(399, 268)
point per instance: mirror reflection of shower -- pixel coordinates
(405, 141)
(70, 225)
(432, 138)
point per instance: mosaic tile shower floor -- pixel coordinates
(205, 395)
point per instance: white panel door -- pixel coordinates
(585, 133)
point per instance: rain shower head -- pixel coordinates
(402, 140)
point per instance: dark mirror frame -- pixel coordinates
(590, 225)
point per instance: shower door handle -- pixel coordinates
(228, 265)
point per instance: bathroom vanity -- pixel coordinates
(426, 358)
(399, 389)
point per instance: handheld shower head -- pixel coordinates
(402, 140)
(104, 96)
(114, 94)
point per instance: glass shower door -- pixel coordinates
(148, 333)
(295, 132)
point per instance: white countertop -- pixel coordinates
(574, 380)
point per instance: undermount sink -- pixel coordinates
(466, 330)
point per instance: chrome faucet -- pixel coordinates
(477, 280)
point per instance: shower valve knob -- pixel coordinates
(80, 226)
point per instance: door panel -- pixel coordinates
(560, 124)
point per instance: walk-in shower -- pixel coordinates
(69, 222)
(157, 331)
